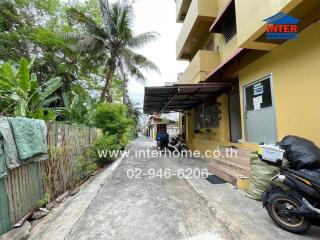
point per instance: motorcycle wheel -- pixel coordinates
(279, 207)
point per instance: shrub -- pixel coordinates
(129, 133)
(111, 118)
(118, 129)
(83, 168)
(99, 152)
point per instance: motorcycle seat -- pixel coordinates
(311, 175)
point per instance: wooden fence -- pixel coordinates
(24, 186)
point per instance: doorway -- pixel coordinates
(235, 117)
(259, 112)
(184, 127)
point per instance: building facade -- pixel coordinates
(275, 87)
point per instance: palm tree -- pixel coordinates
(134, 109)
(114, 43)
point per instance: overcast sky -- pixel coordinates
(159, 16)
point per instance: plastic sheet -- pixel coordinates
(301, 153)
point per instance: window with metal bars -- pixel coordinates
(229, 26)
(207, 115)
(229, 29)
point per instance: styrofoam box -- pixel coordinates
(271, 153)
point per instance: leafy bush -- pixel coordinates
(111, 118)
(83, 168)
(118, 129)
(99, 152)
(129, 133)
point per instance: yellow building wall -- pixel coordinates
(199, 67)
(180, 123)
(154, 132)
(221, 5)
(199, 11)
(205, 140)
(250, 15)
(226, 50)
(295, 69)
(210, 140)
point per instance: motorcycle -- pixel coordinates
(177, 144)
(296, 209)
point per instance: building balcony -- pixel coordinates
(199, 18)
(182, 7)
(198, 69)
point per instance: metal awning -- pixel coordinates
(180, 97)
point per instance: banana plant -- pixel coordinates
(70, 106)
(21, 90)
(76, 107)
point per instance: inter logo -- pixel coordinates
(282, 26)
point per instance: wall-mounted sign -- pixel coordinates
(257, 103)
(257, 89)
(282, 26)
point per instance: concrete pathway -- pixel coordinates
(117, 207)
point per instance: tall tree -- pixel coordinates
(114, 42)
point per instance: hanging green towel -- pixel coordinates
(3, 167)
(44, 129)
(29, 137)
(9, 146)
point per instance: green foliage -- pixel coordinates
(99, 152)
(111, 118)
(118, 128)
(76, 108)
(18, 20)
(44, 201)
(21, 90)
(32, 28)
(83, 168)
(75, 41)
(129, 134)
(165, 120)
